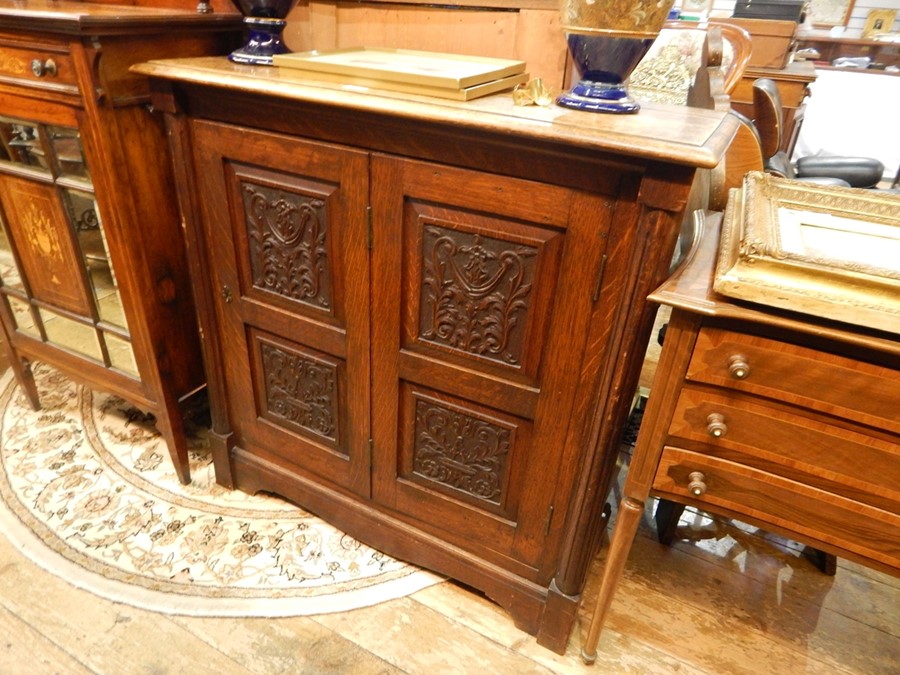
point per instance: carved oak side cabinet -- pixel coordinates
(424, 320)
(92, 263)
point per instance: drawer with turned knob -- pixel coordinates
(42, 66)
(795, 373)
(731, 488)
(778, 438)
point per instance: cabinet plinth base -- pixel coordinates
(535, 609)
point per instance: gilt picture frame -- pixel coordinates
(831, 252)
(879, 21)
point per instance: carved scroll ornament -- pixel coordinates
(301, 390)
(288, 244)
(461, 451)
(475, 293)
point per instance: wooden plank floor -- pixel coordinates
(723, 600)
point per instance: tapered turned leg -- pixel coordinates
(22, 370)
(630, 512)
(170, 423)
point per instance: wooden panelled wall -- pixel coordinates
(528, 30)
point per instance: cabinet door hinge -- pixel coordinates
(599, 284)
(549, 520)
(369, 225)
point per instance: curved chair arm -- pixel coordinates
(741, 45)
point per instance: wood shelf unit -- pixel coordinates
(831, 48)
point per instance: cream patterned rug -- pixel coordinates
(87, 491)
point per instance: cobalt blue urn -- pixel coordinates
(264, 21)
(606, 40)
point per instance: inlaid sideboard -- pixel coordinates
(424, 319)
(93, 277)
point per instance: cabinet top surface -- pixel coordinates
(690, 289)
(674, 134)
(62, 16)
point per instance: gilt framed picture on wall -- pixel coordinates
(879, 21)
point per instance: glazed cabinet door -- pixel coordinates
(286, 223)
(57, 281)
(483, 287)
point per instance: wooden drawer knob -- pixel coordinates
(738, 367)
(697, 485)
(41, 68)
(715, 425)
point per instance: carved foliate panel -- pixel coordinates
(288, 239)
(301, 392)
(461, 450)
(476, 293)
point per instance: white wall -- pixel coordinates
(862, 105)
(861, 10)
(836, 99)
(855, 25)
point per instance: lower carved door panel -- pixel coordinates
(291, 274)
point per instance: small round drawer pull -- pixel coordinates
(41, 68)
(738, 367)
(697, 484)
(715, 425)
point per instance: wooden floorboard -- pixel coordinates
(724, 599)
(678, 610)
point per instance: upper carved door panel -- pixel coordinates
(477, 347)
(291, 275)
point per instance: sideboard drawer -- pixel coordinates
(776, 439)
(43, 68)
(798, 375)
(773, 500)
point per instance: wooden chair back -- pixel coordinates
(768, 115)
(708, 91)
(667, 71)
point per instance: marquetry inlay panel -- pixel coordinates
(46, 246)
(475, 293)
(13, 64)
(288, 239)
(461, 449)
(301, 391)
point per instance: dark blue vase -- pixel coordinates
(603, 63)
(264, 21)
